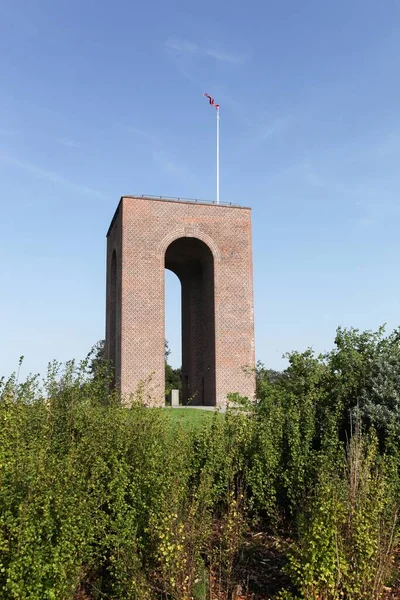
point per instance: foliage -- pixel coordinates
(98, 500)
(102, 499)
(173, 377)
(349, 530)
(360, 376)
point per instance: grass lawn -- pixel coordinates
(190, 417)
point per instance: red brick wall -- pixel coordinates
(140, 233)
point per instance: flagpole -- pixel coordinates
(218, 155)
(216, 106)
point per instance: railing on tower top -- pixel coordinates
(172, 199)
(179, 199)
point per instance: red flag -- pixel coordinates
(211, 101)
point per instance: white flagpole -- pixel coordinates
(218, 155)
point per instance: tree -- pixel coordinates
(358, 379)
(97, 358)
(173, 379)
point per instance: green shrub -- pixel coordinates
(107, 501)
(349, 531)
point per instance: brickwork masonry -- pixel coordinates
(140, 234)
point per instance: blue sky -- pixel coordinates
(100, 99)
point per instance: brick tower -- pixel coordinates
(208, 246)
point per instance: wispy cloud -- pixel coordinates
(315, 177)
(376, 210)
(49, 176)
(8, 132)
(191, 48)
(367, 202)
(273, 128)
(158, 151)
(147, 137)
(68, 143)
(168, 165)
(266, 130)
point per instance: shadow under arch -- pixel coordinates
(113, 325)
(193, 263)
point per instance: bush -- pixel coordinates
(98, 500)
(348, 533)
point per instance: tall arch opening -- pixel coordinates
(113, 314)
(193, 263)
(173, 333)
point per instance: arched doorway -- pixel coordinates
(193, 262)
